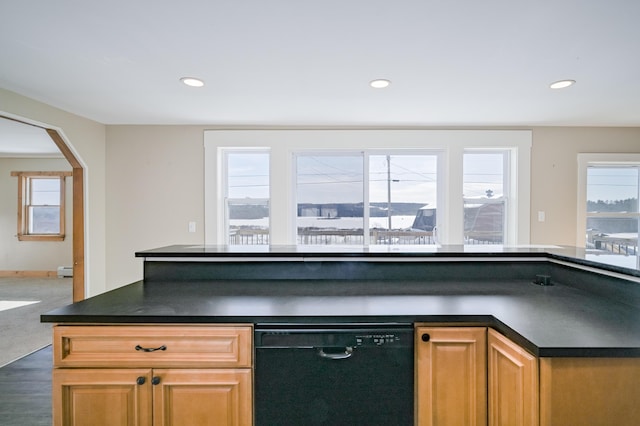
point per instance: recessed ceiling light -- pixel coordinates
(192, 81)
(380, 83)
(562, 84)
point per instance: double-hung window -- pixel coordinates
(485, 194)
(608, 213)
(246, 196)
(41, 199)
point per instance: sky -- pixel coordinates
(339, 178)
(612, 183)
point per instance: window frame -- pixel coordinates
(24, 186)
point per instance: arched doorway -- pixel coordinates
(77, 208)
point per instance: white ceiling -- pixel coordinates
(308, 63)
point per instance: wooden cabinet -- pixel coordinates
(589, 391)
(519, 389)
(451, 371)
(101, 397)
(152, 375)
(202, 397)
(513, 383)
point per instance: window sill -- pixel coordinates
(40, 237)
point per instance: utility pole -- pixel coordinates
(389, 190)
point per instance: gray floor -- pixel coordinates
(25, 351)
(21, 331)
(25, 390)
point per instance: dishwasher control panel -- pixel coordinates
(380, 339)
(318, 338)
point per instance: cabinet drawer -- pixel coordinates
(152, 346)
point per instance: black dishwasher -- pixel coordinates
(334, 376)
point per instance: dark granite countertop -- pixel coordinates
(556, 320)
(591, 311)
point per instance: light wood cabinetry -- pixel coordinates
(589, 391)
(152, 375)
(513, 383)
(520, 389)
(451, 371)
(101, 397)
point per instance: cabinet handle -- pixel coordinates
(426, 337)
(160, 348)
(155, 380)
(141, 380)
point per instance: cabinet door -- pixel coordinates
(451, 371)
(102, 397)
(589, 391)
(513, 384)
(203, 397)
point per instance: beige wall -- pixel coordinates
(554, 175)
(87, 139)
(155, 178)
(31, 255)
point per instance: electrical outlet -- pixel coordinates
(192, 227)
(541, 216)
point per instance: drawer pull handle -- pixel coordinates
(160, 348)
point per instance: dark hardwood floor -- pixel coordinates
(25, 390)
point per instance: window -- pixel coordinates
(246, 197)
(401, 206)
(485, 199)
(403, 194)
(374, 187)
(330, 198)
(338, 197)
(41, 205)
(612, 208)
(608, 212)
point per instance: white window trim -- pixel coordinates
(595, 159)
(283, 143)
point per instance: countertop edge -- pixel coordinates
(456, 321)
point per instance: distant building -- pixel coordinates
(318, 210)
(482, 221)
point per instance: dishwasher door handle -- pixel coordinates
(348, 351)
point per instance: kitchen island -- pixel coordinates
(568, 311)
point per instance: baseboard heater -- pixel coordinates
(65, 271)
